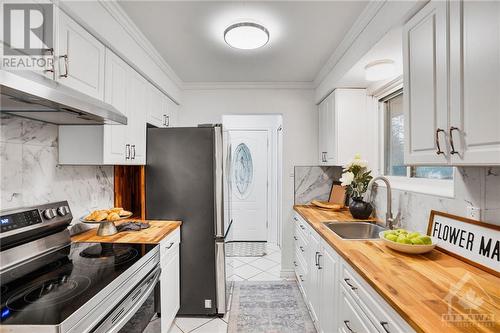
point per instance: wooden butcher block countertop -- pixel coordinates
(415, 285)
(152, 235)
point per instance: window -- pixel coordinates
(394, 144)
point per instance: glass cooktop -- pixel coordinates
(79, 271)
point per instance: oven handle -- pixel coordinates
(120, 321)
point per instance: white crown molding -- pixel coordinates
(370, 11)
(115, 10)
(246, 85)
(387, 88)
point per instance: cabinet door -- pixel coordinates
(330, 134)
(115, 93)
(322, 129)
(313, 289)
(157, 107)
(172, 113)
(169, 287)
(352, 318)
(425, 82)
(328, 266)
(137, 110)
(475, 82)
(80, 57)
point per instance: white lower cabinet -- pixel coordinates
(339, 300)
(169, 280)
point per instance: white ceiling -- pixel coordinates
(189, 36)
(389, 47)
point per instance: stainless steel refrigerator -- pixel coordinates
(184, 170)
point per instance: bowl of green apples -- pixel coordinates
(407, 241)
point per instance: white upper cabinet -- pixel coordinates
(162, 111)
(80, 58)
(116, 89)
(452, 96)
(425, 82)
(137, 102)
(345, 126)
(475, 82)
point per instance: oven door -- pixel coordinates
(121, 314)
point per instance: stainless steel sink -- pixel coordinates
(355, 230)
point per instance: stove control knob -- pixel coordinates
(63, 210)
(49, 213)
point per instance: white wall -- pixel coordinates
(300, 128)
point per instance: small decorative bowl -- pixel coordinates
(408, 248)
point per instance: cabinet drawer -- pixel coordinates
(301, 226)
(383, 317)
(352, 318)
(301, 275)
(168, 245)
(301, 246)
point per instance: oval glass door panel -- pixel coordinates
(242, 170)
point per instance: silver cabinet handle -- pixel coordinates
(319, 264)
(346, 324)
(384, 326)
(349, 284)
(133, 152)
(164, 123)
(301, 277)
(316, 263)
(301, 248)
(169, 245)
(167, 121)
(453, 151)
(127, 151)
(295, 263)
(439, 151)
(295, 237)
(66, 66)
(302, 227)
(295, 218)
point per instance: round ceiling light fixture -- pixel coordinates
(380, 70)
(246, 35)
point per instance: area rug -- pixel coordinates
(268, 307)
(246, 249)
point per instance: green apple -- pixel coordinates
(403, 239)
(391, 237)
(413, 234)
(401, 231)
(417, 241)
(390, 232)
(426, 240)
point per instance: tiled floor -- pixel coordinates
(266, 268)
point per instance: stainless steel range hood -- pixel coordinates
(33, 96)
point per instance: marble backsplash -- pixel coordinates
(30, 174)
(314, 182)
(474, 186)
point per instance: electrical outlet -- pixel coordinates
(208, 304)
(474, 213)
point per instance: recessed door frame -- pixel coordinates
(272, 124)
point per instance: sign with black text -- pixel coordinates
(475, 242)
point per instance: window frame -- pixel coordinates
(438, 187)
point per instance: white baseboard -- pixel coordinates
(287, 273)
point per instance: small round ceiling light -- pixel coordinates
(380, 70)
(246, 35)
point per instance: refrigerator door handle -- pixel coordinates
(219, 204)
(220, 276)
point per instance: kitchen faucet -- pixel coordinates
(390, 220)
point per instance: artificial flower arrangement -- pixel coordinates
(356, 176)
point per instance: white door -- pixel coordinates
(248, 177)
(81, 58)
(425, 82)
(475, 82)
(115, 93)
